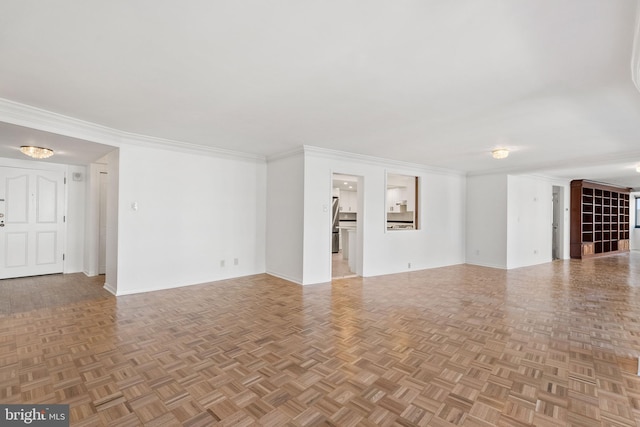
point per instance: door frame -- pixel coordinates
(49, 167)
(558, 209)
(92, 226)
(359, 224)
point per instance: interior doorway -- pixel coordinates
(345, 249)
(102, 223)
(557, 223)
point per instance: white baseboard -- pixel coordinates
(110, 288)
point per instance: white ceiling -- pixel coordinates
(435, 82)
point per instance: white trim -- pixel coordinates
(110, 289)
(37, 118)
(283, 155)
(172, 286)
(378, 161)
(481, 264)
(32, 164)
(584, 162)
(284, 277)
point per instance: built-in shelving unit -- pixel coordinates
(599, 219)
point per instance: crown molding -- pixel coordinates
(377, 161)
(283, 155)
(36, 118)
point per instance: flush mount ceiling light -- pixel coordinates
(500, 153)
(36, 152)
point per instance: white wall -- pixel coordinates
(439, 242)
(75, 213)
(509, 220)
(486, 220)
(284, 217)
(113, 189)
(181, 214)
(91, 250)
(529, 219)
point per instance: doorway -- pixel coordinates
(102, 223)
(345, 252)
(557, 223)
(31, 222)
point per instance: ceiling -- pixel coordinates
(435, 82)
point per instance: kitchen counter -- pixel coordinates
(399, 226)
(349, 245)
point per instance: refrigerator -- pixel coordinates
(335, 232)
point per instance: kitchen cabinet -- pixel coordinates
(410, 195)
(599, 219)
(348, 201)
(394, 197)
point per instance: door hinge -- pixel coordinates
(64, 218)
(63, 257)
(65, 179)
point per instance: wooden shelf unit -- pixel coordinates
(599, 219)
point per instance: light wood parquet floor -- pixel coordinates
(550, 345)
(340, 267)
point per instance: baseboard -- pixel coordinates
(110, 289)
(284, 277)
(482, 264)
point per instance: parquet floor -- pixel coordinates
(340, 267)
(551, 345)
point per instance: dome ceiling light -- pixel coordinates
(500, 153)
(36, 152)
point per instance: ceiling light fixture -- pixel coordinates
(500, 153)
(36, 152)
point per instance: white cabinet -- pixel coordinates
(394, 197)
(348, 201)
(410, 195)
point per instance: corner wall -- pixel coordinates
(185, 218)
(486, 219)
(285, 217)
(529, 221)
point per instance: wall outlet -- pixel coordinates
(235, 261)
(221, 263)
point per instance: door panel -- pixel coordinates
(46, 206)
(31, 238)
(17, 199)
(46, 248)
(16, 250)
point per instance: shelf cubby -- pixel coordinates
(599, 219)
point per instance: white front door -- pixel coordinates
(31, 222)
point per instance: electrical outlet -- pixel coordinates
(221, 263)
(235, 261)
